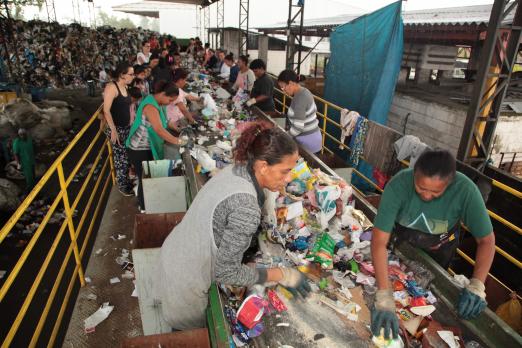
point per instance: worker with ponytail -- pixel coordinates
(209, 243)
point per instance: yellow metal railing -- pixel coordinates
(78, 251)
(327, 105)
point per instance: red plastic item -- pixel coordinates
(397, 272)
(418, 301)
(398, 285)
(251, 311)
(275, 301)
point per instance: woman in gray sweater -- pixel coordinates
(302, 118)
(209, 243)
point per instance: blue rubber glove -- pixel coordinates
(383, 315)
(295, 282)
(472, 300)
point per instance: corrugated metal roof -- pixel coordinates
(476, 14)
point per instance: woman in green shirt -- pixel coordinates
(149, 131)
(425, 207)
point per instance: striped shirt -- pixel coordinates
(302, 113)
(140, 139)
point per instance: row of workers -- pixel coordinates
(424, 206)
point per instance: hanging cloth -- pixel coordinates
(348, 122)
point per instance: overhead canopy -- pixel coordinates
(152, 8)
(148, 8)
(201, 3)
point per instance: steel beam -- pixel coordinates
(206, 15)
(295, 15)
(495, 68)
(220, 8)
(244, 6)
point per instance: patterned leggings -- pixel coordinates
(121, 160)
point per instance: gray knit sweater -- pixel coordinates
(235, 222)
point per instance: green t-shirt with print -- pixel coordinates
(461, 201)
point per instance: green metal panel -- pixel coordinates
(217, 324)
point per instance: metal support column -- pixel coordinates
(206, 13)
(51, 11)
(291, 31)
(244, 6)
(220, 6)
(198, 20)
(497, 59)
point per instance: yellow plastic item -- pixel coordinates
(6, 97)
(511, 313)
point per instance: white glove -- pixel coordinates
(18, 166)
(251, 102)
(384, 301)
(295, 282)
(182, 142)
(291, 277)
(477, 287)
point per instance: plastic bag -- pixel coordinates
(323, 251)
(511, 313)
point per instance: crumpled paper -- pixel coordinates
(97, 317)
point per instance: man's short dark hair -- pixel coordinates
(436, 163)
(257, 64)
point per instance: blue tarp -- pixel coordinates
(364, 65)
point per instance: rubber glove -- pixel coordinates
(251, 102)
(383, 315)
(295, 282)
(182, 141)
(472, 300)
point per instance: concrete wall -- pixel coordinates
(507, 139)
(439, 125)
(435, 124)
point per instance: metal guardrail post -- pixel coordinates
(325, 113)
(69, 217)
(111, 163)
(284, 103)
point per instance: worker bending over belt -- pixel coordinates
(209, 243)
(302, 117)
(425, 207)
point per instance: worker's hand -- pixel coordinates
(18, 165)
(182, 142)
(251, 102)
(115, 139)
(472, 300)
(383, 315)
(295, 282)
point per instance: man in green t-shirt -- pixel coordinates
(425, 206)
(23, 152)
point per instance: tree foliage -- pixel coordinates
(112, 21)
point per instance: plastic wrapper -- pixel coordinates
(323, 251)
(275, 301)
(251, 311)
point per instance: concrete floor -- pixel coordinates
(124, 321)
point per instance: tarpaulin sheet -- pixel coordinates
(364, 65)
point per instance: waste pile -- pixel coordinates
(56, 55)
(317, 228)
(313, 225)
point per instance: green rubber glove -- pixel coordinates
(383, 315)
(472, 300)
